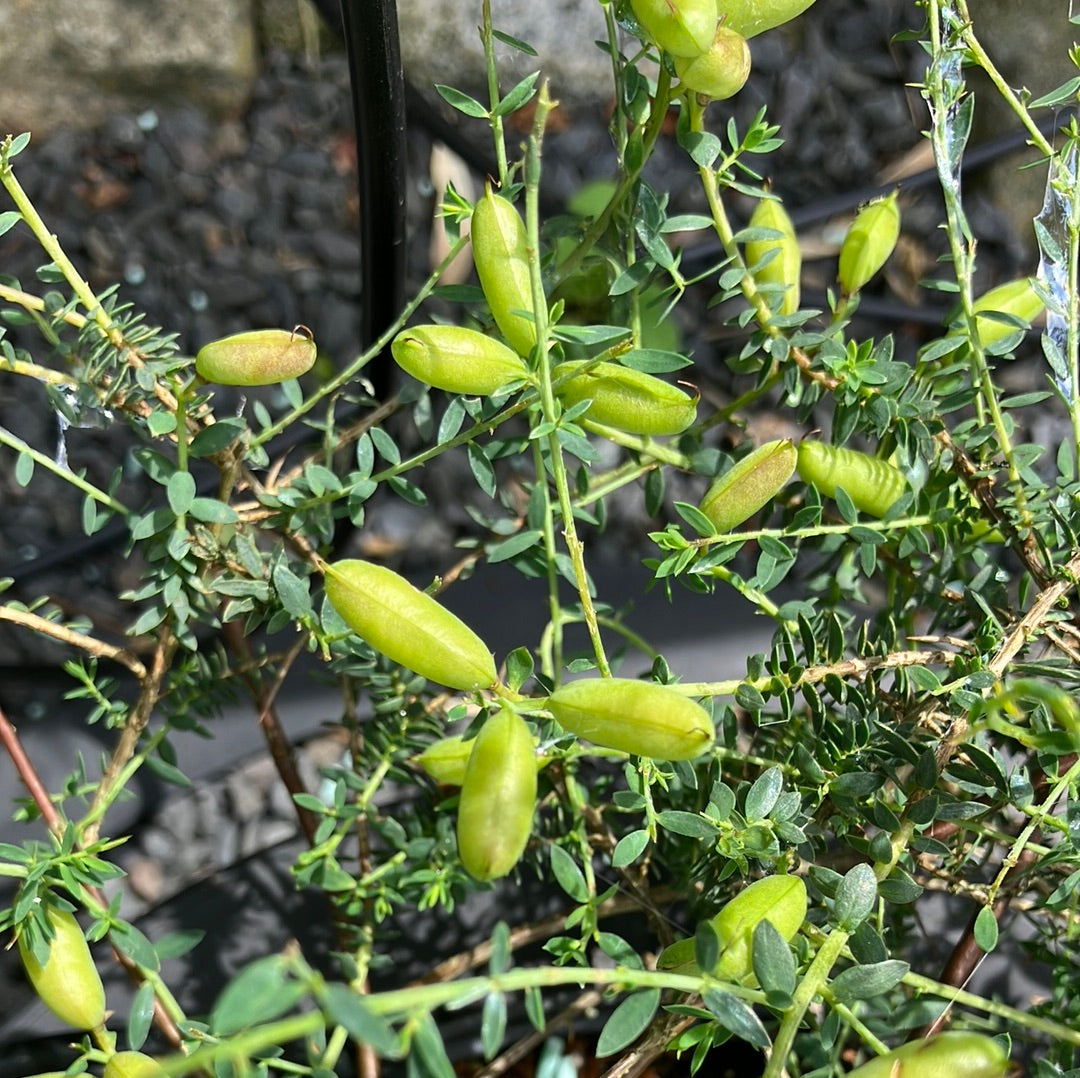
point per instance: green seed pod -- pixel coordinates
(445, 760)
(67, 981)
(869, 241)
(779, 899)
(133, 1065)
(785, 267)
(408, 626)
(680, 27)
(500, 253)
(953, 1054)
(1017, 298)
(498, 797)
(721, 72)
(260, 357)
(872, 484)
(745, 488)
(638, 717)
(457, 359)
(628, 400)
(753, 17)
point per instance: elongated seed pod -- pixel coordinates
(67, 981)
(680, 27)
(785, 266)
(952, 1054)
(639, 717)
(407, 626)
(133, 1065)
(457, 359)
(872, 484)
(745, 488)
(445, 760)
(628, 400)
(870, 240)
(752, 17)
(1017, 298)
(500, 253)
(498, 797)
(721, 71)
(259, 357)
(779, 899)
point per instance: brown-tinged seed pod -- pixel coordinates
(498, 797)
(501, 255)
(952, 1054)
(1015, 298)
(680, 27)
(747, 486)
(873, 484)
(259, 357)
(784, 268)
(408, 626)
(626, 399)
(753, 17)
(869, 241)
(66, 979)
(721, 71)
(638, 717)
(457, 359)
(779, 899)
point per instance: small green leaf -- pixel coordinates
(140, 1016)
(462, 102)
(211, 511)
(493, 1024)
(500, 949)
(736, 1017)
(180, 491)
(685, 823)
(986, 929)
(774, 964)
(628, 1021)
(570, 877)
(24, 469)
(629, 848)
(706, 946)
(762, 796)
(261, 992)
(855, 897)
(128, 940)
(865, 982)
(343, 1007)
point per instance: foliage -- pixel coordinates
(911, 728)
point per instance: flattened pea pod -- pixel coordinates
(457, 359)
(259, 357)
(626, 399)
(1016, 298)
(873, 484)
(952, 1054)
(784, 268)
(721, 71)
(66, 979)
(639, 717)
(869, 241)
(747, 486)
(408, 626)
(498, 797)
(752, 17)
(779, 899)
(680, 27)
(500, 254)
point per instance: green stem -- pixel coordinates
(494, 117)
(12, 441)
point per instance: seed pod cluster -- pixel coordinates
(445, 760)
(869, 241)
(722, 70)
(498, 797)
(500, 254)
(745, 488)
(626, 399)
(952, 1054)
(1017, 298)
(67, 981)
(779, 899)
(873, 484)
(259, 357)
(457, 359)
(638, 717)
(408, 626)
(784, 268)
